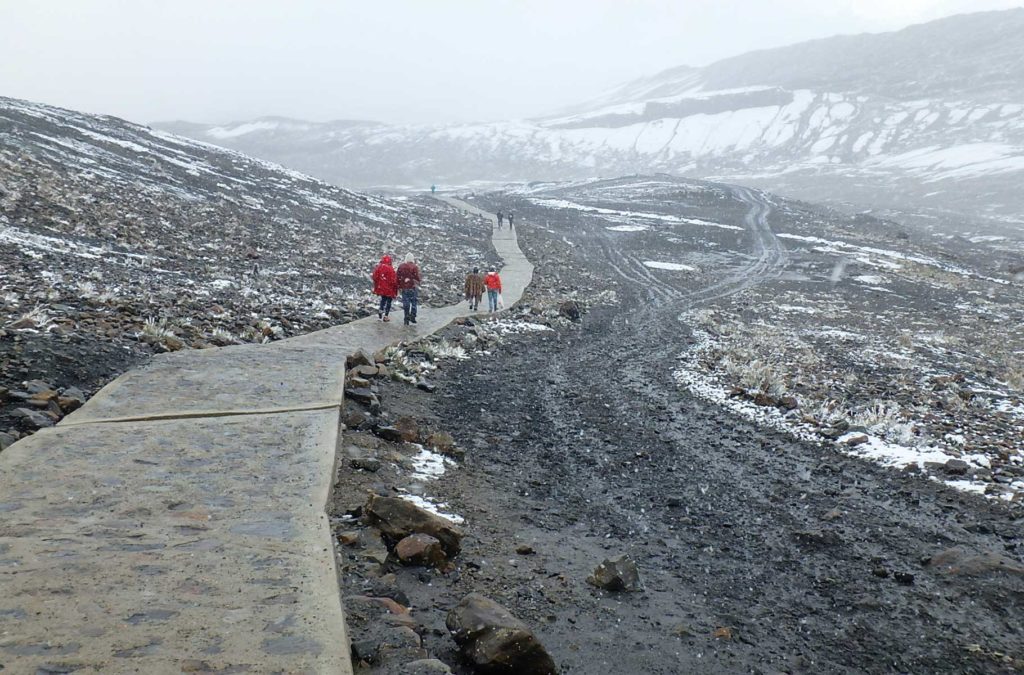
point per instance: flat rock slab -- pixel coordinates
(173, 545)
(223, 381)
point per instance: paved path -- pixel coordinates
(176, 522)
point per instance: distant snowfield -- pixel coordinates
(970, 160)
(674, 267)
(881, 257)
(643, 215)
(628, 228)
(251, 127)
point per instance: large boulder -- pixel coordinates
(397, 519)
(494, 641)
(616, 574)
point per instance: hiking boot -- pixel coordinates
(386, 318)
(412, 320)
(379, 316)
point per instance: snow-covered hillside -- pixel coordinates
(117, 241)
(929, 118)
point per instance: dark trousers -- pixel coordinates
(410, 299)
(385, 305)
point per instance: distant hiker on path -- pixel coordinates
(493, 283)
(433, 189)
(385, 284)
(501, 219)
(408, 283)
(474, 288)
(511, 215)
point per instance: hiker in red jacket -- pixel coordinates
(408, 283)
(385, 284)
(493, 283)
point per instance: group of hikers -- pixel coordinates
(389, 282)
(502, 216)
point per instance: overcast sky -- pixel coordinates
(392, 60)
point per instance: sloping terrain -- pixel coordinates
(928, 120)
(117, 240)
(837, 328)
(683, 420)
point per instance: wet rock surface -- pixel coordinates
(494, 641)
(399, 519)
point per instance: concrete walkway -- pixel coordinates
(177, 521)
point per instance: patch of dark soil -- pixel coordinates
(756, 553)
(63, 362)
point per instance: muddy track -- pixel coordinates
(813, 561)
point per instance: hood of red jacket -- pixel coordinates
(386, 260)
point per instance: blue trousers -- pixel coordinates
(410, 299)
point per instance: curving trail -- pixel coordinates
(795, 548)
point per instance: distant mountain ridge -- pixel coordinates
(927, 118)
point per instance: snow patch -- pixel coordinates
(674, 267)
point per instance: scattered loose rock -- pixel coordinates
(390, 433)
(359, 358)
(397, 519)
(425, 667)
(33, 419)
(616, 574)
(420, 549)
(371, 464)
(495, 641)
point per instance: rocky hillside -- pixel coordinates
(117, 240)
(930, 118)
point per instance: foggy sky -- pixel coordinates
(407, 61)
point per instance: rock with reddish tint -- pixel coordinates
(959, 561)
(441, 441)
(71, 399)
(420, 549)
(494, 641)
(365, 372)
(408, 428)
(397, 519)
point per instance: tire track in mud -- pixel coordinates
(727, 521)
